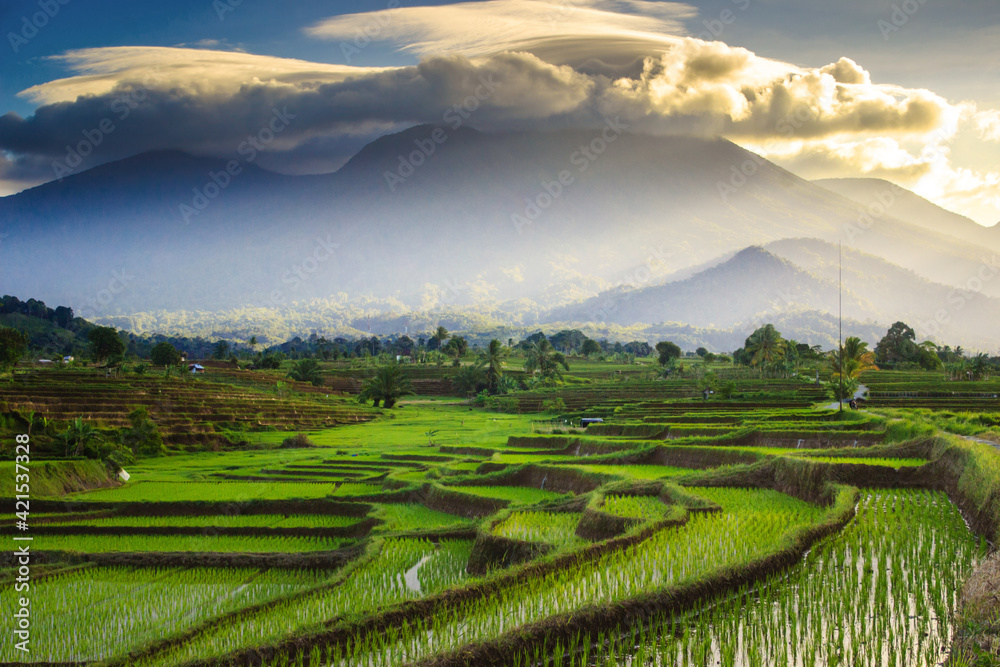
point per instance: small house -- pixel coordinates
(196, 368)
(587, 421)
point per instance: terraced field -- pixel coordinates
(679, 531)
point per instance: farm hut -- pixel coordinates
(196, 368)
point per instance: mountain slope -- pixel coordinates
(905, 205)
(800, 275)
(472, 218)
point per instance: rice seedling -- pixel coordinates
(520, 495)
(213, 521)
(402, 569)
(212, 491)
(412, 517)
(554, 528)
(98, 612)
(357, 489)
(215, 543)
(881, 593)
(756, 524)
(647, 508)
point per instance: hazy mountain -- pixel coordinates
(793, 276)
(905, 205)
(420, 224)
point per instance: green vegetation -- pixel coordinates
(675, 496)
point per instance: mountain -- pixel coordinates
(905, 205)
(796, 276)
(427, 218)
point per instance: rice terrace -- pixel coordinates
(500, 333)
(710, 513)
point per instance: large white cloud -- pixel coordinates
(534, 64)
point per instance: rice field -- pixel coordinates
(96, 612)
(401, 570)
(212, 521)
(520, 495)
(210, 491)
(550, 527)
(173, 543)
(646, 508)
(881, 593)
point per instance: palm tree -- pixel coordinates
(386, 386)
(765, 347)
(543, 359)
(441, 335)
(307, 370)
(495, 358)
(469, 378)
(79, 434)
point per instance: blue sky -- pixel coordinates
(900, 48)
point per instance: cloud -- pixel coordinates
(524, 64)
(558, 31)
(988, 124)
(201, 72)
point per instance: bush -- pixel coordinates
(554, 405)
(297, 441)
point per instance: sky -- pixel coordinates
(903, 90)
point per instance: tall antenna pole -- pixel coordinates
(840, 317)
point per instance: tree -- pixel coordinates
(165, 354)
(221, 350)
(13, 345)
(140, 370)
(439, 336)
(897, 345)
(568, 340)
(386, 386)
(701, 352)
(543, 359)
(495, 357)
(470, 379)
(456, 348)
(142, 436)
(765, 347)
(307, 370)
(590, 347)
(105, 342)
(667, 351)
(79, 435)
(848, 363)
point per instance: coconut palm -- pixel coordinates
(307, 370)
(441, 335)
(79, 434)
(765, 347)
(543, 359)
(386, 386)
(495, 358)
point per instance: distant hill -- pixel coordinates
(480, 219)
(795, 276)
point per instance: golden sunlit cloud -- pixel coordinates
(537, 64)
